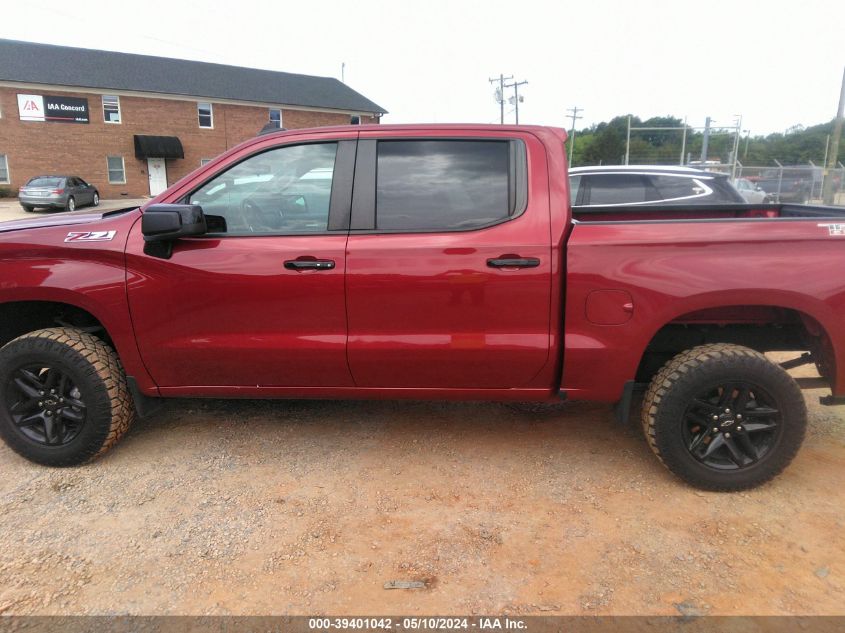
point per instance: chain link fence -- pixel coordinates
(801, 184)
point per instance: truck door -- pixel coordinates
(259, 301)
(448, 261)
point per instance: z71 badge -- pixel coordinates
(90, 236)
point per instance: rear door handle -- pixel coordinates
(309, 264)
(513, 262)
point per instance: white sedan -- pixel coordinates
(751, 192)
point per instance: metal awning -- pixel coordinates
(158, 147)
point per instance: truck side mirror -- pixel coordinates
(163, 224)
(167, 222)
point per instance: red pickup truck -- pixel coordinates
(421, 262)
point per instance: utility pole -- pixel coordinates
(735, 157)
(628, 141)
(500, 95)
(705, 142)
(833, 157)
(515, 85)
(343, 72)
(573, 114)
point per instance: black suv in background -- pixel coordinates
(613, 185)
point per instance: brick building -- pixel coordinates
(132, 124)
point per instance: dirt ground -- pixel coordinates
(214, 507)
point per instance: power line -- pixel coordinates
(573, 114)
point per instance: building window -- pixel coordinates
(111, 109)
(205, 115)
(276, 117)
(355, 119)
(205, 161)
(117, 173)
(4, 169)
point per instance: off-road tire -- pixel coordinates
(670, 393)
(96, 370)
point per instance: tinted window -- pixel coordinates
(679, 187)
(285, 191)
(46, 182)
(574, 188)
(441, 185)
(617, 189)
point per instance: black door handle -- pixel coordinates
(309, 264)
(514, 262)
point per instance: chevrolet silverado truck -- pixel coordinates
(422, 262)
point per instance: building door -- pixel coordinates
(157, 173)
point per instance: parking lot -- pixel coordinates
(11, 210)
(218, 507)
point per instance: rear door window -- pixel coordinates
(443, 185)
(609, 189)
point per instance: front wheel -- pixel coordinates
(723, 417)
(63, 396)
(96, 200)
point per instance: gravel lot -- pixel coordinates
(254, 507)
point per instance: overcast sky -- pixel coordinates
(776, 63)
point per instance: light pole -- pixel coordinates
(573, 114)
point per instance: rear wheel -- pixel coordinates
(724, 417)
(28, 208)
(71, 204)
(63, 397)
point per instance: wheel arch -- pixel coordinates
(21, 314)
(758, 324)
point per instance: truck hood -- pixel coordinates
(60, 219)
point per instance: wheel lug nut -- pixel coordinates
(738, 416)
(739, 428)
(49, 414)
(40, 404)
(41, 392)
(715, 429)
(715, 417)
(52, 391)
(727, 434)
(727, 410)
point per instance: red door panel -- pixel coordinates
(425, 310)
(227, 312)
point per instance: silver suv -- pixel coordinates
(618, 185)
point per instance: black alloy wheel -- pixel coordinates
(45, 404)
(732, 426)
